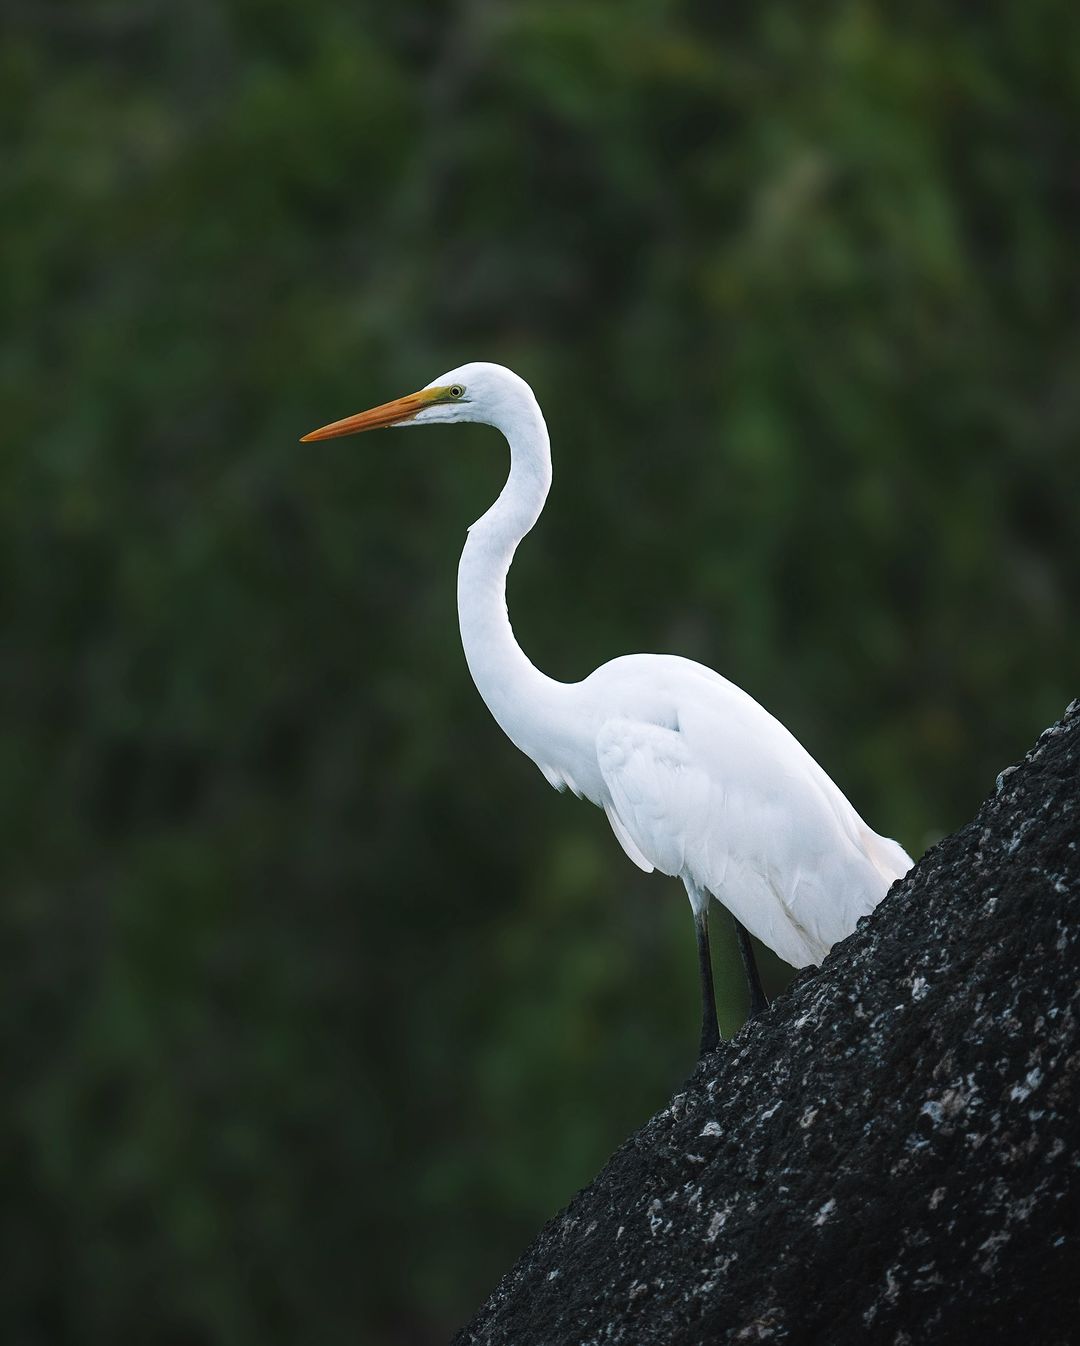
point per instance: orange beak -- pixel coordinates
(390, 413)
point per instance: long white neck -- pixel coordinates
(519, 696)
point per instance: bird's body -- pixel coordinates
(697, 780)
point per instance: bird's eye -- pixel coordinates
(457, 390)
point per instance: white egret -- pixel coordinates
(697, 780)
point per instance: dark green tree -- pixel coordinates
(316, 999)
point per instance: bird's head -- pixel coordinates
(490, 394)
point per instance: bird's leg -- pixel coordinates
(710, 1029)
(758, 999)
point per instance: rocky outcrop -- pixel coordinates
(890, 1154)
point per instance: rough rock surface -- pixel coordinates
(890, 1154)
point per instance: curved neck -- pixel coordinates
(516, 692)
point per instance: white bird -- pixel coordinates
(697, 780)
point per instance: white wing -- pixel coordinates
(714, 790)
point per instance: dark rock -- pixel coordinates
(890, 1154)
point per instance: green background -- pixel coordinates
(317, 1000)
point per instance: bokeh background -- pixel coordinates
(316, 1000)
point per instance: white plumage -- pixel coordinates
(697, 780)
(711, 788)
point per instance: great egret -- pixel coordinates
(696, 779)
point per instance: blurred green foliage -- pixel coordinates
(317, 1000)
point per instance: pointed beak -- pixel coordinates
(390, 413)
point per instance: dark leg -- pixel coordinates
(710, 1029)
(758, 999)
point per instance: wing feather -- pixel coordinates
(751, 828)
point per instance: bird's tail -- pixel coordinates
(887, 856)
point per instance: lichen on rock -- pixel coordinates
(890, 1154)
